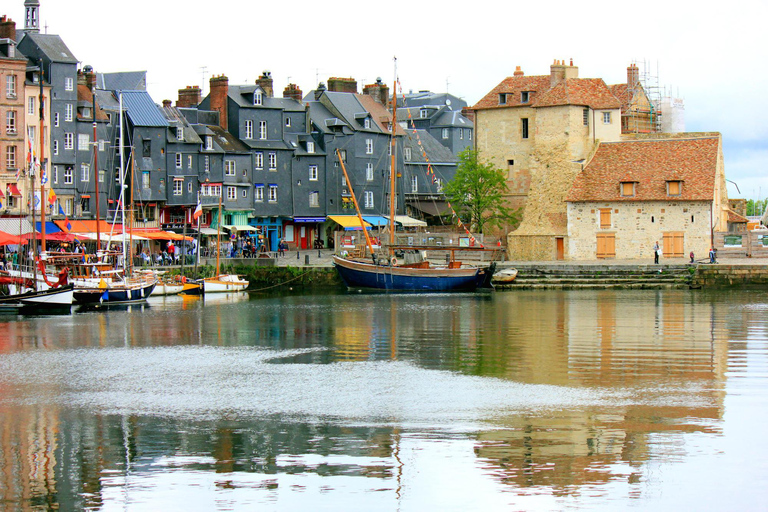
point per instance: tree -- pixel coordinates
(477, 191)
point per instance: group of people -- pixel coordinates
(657, 254)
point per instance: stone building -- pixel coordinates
(542, 129)
(669, 189)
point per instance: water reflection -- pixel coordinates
(347, 399)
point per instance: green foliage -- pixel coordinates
(477, 193)
(756, 207)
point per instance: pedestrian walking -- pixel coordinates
(656, 253)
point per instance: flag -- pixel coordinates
(198, 211)
(51, 196)
(61, 211)
(29, 152)
(69, 224)
(1, 204)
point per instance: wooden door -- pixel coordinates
(560, 248)
(674, 244)
(606, 245)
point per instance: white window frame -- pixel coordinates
(180, 133)
(178, 187)
(69, 84)
(367, 123)
(10, 122)
(262, 130)
(273, 161)
(83, 142)
(68, 175)
(85, 172)
(179, 161)
(258, 98)
(310, 147)
(146, 180)
(208, 143)
(407, 154)
(259, 160)
(10, 157)
(69, 112)
(258, 194)
(248, 135)
(55, 147)
(423, 113)
(189, 161)
(207, 163)
(369, 171)
(55, 176)
(56, 119)
(31, 105)
(606, 118)
(231, 193)
(287, 122)
(273, 193)
(445, 133)
(312, 172)
(368, 199)
(414, 184)
(229, 168)
(314, 199)
(368, 146)
(69, 140)
(10, 86)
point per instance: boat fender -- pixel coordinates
(393, 261)
(183, 279)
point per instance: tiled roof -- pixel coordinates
(513, 86)
(650, 164)
(590, 92)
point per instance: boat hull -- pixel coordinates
(224, 284)
(52, 299)
(357, 274)
(115, 294)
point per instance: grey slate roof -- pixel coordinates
(226, 141)
(141, 110)
(122, 81)
(427, 98)
(243, 96)
(176, 119)
(436, 152)
(52, 46)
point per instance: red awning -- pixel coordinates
(14, 189)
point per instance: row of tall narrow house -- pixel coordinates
(595, 174)
(272, 159)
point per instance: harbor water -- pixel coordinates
(525, 400)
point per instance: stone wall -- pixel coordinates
(730, 275)
(637, 226)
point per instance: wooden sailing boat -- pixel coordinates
(385, 272)
(115, 287)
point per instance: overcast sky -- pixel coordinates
(712, 55)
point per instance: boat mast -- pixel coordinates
(130, 215)
(354, 201)
(218, 232)
(121, 195)
(96, 170)
(42, 146)
(392, 169)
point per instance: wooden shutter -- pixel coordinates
(606, 245)
(674, 244)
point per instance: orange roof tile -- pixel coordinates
(513, 86)
(650, 164)
(590, 92)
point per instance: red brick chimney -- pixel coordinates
(633, 76)
(219, 98)
(468, 113)
(293, 92)
(265, 82)
(378, 91)
(167, 103)
(518, 71)
(191, 96)
(7, 28)
(336, 84)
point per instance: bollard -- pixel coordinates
(318, 253)
(297, 255)
(306, 259)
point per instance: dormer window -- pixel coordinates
(674, 187)
(423, 113)
(628, 188)
(310, 147)
(502, 98)
(180, 133)
(367, 123)
(525, 97)
(208, 142)
(257, 98)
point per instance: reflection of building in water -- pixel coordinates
(657, 350)
(28, 457)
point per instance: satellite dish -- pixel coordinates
(448, 102)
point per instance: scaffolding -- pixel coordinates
(641, 116)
